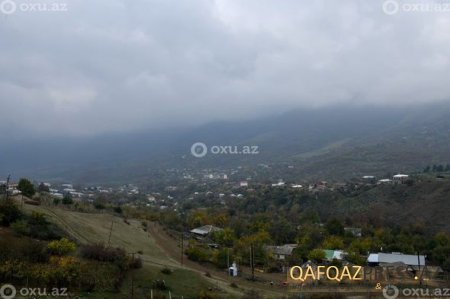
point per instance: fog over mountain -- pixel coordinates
(334, 142)
(114, 87)
(111, 66)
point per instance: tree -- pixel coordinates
(62, 247)
(333, 242)
(43, 188)
(316, 255)
(67, 200)
(26, 187)
(118, 210)
(224, 237)
(220, 258)
(355, 258)
(335, 227)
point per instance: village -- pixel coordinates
(195, 212)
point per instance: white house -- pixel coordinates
(205, 230)
(384, 181)
(400, 178)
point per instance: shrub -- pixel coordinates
(160, 285)
(100, 252)
(197, 254)
(67, 200)
(135, 263)
(24, 250)
(9, 212)
(40, 228)
(21, 227)
(166, 271)
(62, 247)
(99, 206)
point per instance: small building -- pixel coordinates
(400, 178)
(331, 255)
(203, 231)
(355, 231)
(243, 184)
(384, 181)
(380, 259)
(279, 184)
(233, 270)
(281, 253)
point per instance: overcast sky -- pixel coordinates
(118, 65)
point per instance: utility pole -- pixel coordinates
(228, 261)
(7, 187)
(418, 261)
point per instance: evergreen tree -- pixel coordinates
(26, 187)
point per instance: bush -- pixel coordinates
(197, 254)
(99, 206)
(135, 263)
(24, 250)
(67, 200)
(9, 212)
(100, 252)
(160, 285)
(166, 271)
(40, 228)
(20, 227)
(62, 247)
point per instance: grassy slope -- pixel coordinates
(91, 228)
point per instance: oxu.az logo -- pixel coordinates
(8, 291)
(393, 292)
(8, 7)
(199, 150)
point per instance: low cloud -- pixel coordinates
(116, 65)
